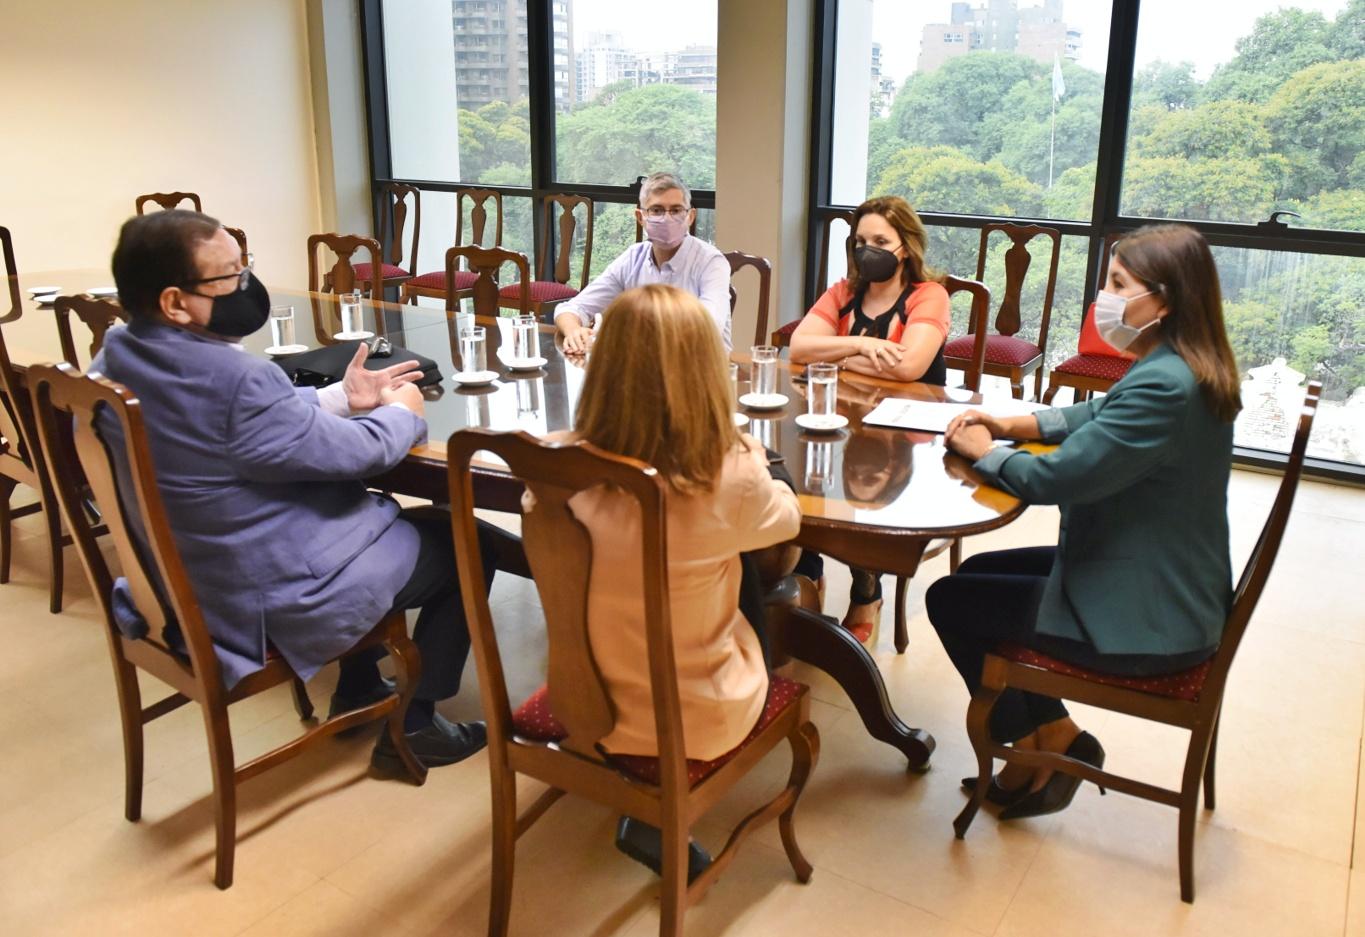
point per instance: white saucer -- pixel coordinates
(45, 299)
(36, 291)
(474, 378)
(101, 291)
(524, 364)
(821, 424)
(740, 419)
(285, 349)
(764, 401)
(352, 336)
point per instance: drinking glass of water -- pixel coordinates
(473, 350)
(764, 376)
(819, 464)
(822, 389)
(525, 338)
(734, 385)
(281, 326)
(351, 321)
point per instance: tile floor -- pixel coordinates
(324, 849)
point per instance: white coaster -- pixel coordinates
(285, 349)
(525, 364)
(764, 401)
(821, 424)
(740, 419)
(36, 291)
(474, 378)
(102, 291)
(352, 336)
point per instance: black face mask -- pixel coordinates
(874, 264)
(240, 312)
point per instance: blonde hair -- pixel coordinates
(658, 387)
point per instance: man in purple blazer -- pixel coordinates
(262, 483)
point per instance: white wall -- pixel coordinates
(106, 101)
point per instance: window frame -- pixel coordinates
(1106, 217)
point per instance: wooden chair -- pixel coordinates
(393, 222)
(1007, 355)
(1084, 372)
(738, 261)
(340, 278)
(546, 293)
(21, 459)
(1190, 700)
(782, 338)
(483, 265)
(554, 736)
(239, 236)
(98, 315)
(169, 639)
(435, 284)
(167, 200)
(981, 308)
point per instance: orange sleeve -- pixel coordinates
(828, 305)
(929, 303)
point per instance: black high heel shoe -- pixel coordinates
(997, 794)
(1057, 793)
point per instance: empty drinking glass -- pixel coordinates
(463, 320)
(525, 338)
(764, 372)
(281, 326)
(819, 464)
(473, 350)
(351, 321)
(822, 389)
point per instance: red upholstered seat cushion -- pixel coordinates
(1000, 349)
(541, 291)
(362, 271)
(437, 281)
(1104, 367)
(789, 329)
(1185, 685)
(1090, 342)
(534, 720)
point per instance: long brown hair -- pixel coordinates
(900, 216)
(658, 387)
(1174, 261)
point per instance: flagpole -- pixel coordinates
(1052, 142)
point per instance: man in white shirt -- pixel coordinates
(667, 255)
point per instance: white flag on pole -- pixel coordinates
(1058, 85)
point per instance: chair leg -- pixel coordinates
(805, 743)
(7, 486)
(1017, 386)
(408, 668)
(224, 793)
(1038, 383)
(955, 555)
(56, 555)
(130, 714)
(1195, 760)
(303, 704)
(978, 731)
(504, 849)
(1208, 764)
(902, 629)
(673, 892)
(1051, 392)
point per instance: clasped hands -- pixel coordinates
(366, 389)
(970, 434)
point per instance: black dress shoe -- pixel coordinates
(995, 793)
(441, 743)
(644, 844)
(344, 704)
(1056, 794)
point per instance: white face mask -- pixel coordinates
(1109, 319)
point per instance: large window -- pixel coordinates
(1212, 114)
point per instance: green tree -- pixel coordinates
(1346, 38)
(497, 134)
(1209, 189)
(1167, 85)
(1280, 44)
(949, 106)
(1321, 111)
(629, 132)
(1209, 131)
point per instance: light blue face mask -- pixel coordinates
(1109, 322)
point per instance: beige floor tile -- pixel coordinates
(323, 908)
(1355, 905)
(1109, 867)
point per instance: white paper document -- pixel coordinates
(932, 417)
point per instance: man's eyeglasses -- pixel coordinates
(658, 211)
(242, 279)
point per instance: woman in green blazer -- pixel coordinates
(1140, 580)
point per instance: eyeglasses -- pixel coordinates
(658, 211)
(242, 279)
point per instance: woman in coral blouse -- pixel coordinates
(888, 319)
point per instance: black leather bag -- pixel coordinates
(319, 367)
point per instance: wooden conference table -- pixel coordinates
(871, 497)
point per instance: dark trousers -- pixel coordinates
(993, 599)
(441, 633)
